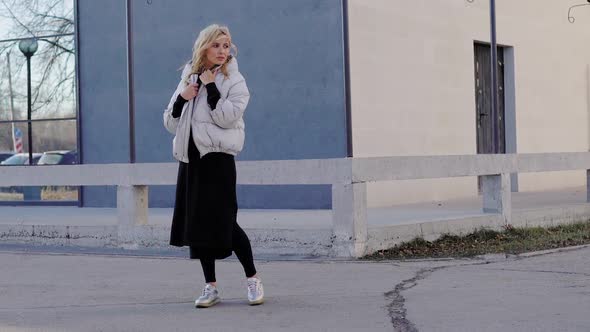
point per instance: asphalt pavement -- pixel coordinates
(72, 289)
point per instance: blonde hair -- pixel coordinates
(206, 37)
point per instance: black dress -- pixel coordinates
(206, 204)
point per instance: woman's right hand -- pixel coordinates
(190, 91)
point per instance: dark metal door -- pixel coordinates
(483, 106)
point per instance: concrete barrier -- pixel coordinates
(348, 177)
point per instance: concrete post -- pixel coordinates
(132, 205)
(497, 195)
(349, 219)
(132, 211)
(588, 185)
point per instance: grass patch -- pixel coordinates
(511, 240)
(11, 196)
(59, 194)
(48, 193)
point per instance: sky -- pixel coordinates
(5, 23)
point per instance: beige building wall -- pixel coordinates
(412, 85)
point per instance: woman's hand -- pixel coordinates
(190, 91)
(208, 76)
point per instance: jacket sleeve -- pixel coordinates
(170, 122)
(231, 109)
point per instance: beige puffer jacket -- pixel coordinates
(220, 130)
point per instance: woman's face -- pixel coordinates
(218, 52)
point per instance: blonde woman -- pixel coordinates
(205, 115)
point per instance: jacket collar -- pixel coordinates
(232, 65)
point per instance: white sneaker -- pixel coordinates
(209, 298)
(255, 291)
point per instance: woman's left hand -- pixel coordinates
(208, 76)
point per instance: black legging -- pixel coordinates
(241, 246)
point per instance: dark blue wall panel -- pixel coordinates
(103, 90)
(290, 53)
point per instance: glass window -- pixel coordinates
(53, 91)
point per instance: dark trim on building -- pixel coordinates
(346, 47)
(78, 113)
(131, 94)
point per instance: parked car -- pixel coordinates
(5, 155)
(62, 157)
(21, 159)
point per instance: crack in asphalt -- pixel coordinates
(396, 307)
(397, 311)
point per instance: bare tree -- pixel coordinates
(52, 22)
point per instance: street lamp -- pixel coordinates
(29, 47)
(569, 12)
